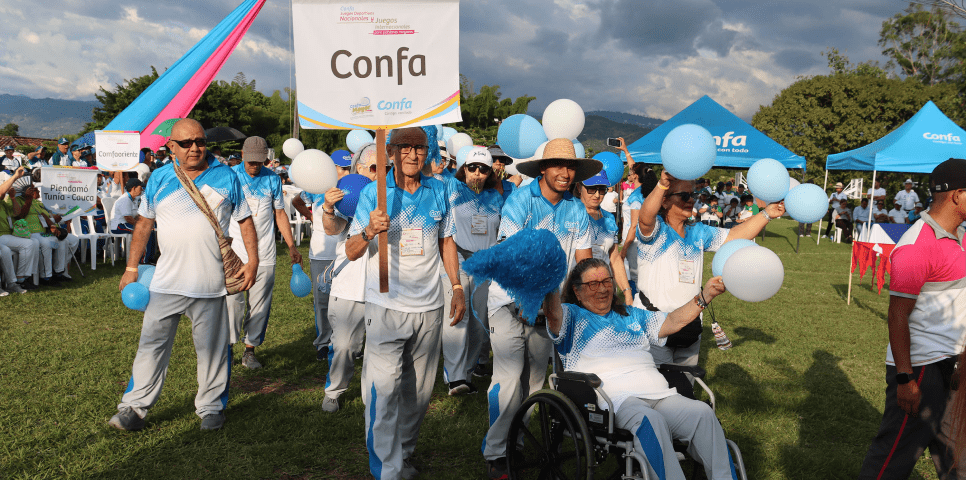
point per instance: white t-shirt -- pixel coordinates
(191, 264)
(263, 195)
(123, 207)
(350, 282)
(837, 197)
(608, 203)
(898, 216)
(109, 189)
(907, 200)
(417, 221)
(876, 211)
(878, 192)
(322, 246)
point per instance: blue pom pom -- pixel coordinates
(528, 265)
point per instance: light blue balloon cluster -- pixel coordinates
(578, 149)
(768, 180)
(724, 252)
(356, 139)
(520, 135)
(806, 203)
(688, 152)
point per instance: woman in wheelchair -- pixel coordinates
(594, 332)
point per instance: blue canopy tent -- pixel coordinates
(917, 146)
(739, 144)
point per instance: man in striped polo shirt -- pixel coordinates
(926, 333)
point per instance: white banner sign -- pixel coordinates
(378, 64)
(64, 190)
(117, 150)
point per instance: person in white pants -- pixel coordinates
(248, 311)
(189, 278)
(521, 348)
(347, 294)
(26, 249)
(476, 205)
(594, 332)
(322, 253)
(403, 324)
(43, 228)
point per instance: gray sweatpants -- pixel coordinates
(26, 249)
(47, 246)
(520, 359)
(248, 311)
(462, 342)
(323, 331)
(7, 273)
(402, 354)
(655, 423)
(348, 332)
(209, 329)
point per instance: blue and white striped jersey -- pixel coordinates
(263, 193)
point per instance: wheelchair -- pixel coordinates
(566, 434)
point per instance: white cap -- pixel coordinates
(908, 180)
(478, 155)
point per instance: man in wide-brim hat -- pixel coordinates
(520, 350)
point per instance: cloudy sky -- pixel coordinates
(649, 57)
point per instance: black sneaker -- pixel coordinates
(28, 285)
(461, 387)
(322, 354)
(497, 469)
(127, 419)
(49, 282)
(482, 370)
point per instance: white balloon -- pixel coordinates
(563, 119)
(539, 153)
(511, 169)
(753, 274)
(313, 171)
(792, 183)
(457, 142)
(292, 147)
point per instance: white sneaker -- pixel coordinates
(330, 404)
(4, 293)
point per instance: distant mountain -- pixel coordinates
(45, 117)
(629, 118)
(598, 129)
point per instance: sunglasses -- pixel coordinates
(600, 190)
(595, 285)
(685, 196)
(481, 168)
(201, 142)
(406, 148)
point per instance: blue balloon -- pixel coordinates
(806, 203)
(462, 154)
(145, 275)
(300, 284)
(768, 180)
(724, 252)
(613, 166)
(356, 139)
(136, 296)
(448, 132)
(351, 185)
(520, 135)
(579, 148)
(688, 152)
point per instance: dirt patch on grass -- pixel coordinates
(266, 385)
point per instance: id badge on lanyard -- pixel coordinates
(687, 272)
(411, 242)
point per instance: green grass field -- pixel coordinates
(801, 392)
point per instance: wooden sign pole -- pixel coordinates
(381, 199)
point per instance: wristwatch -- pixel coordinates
(903, 378)
(364, 236)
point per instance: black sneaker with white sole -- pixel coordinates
(126, 419)
(461, 387)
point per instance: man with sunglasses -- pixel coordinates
(189, 278)
(671, 260)
(521, 346)
(403, 325)
(322, 249)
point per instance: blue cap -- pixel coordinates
(233, 156)
(63, 141)
(599, 179)
(8, 147)
(342, 158)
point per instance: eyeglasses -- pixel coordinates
(406, 148)
(595, 285)
(481, 168)
(600, 190)
(374, 166)
(201, 142)
(685, 196)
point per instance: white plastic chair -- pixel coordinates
(108, 203)
(91, 238)
(295, 218)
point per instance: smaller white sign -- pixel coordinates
(63, 189)
(117, 150)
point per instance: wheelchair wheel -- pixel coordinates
(553, 441)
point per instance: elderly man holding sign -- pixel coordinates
(403, 325)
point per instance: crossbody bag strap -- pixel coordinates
(199, 199)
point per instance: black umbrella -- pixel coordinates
(224, 134)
